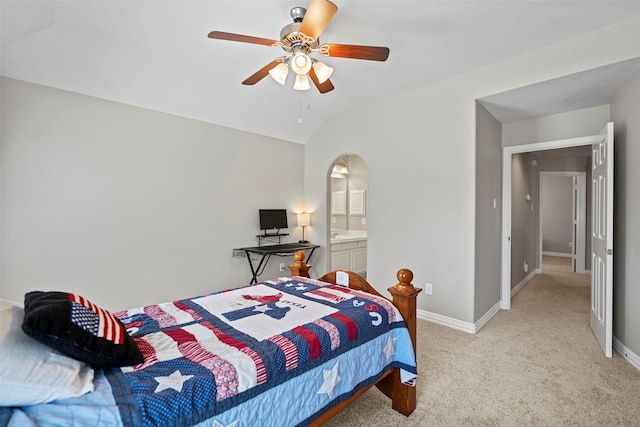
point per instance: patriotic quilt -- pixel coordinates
(278, 353)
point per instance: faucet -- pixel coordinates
(332, 235)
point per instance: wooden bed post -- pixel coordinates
(404, 294)
(404, 297)
(299, 267)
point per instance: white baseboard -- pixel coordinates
(561, 254)
(524, 281)
(487, 316)
(446, 321)
(460, 325)
(631, 357)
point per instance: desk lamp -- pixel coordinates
(304, 220)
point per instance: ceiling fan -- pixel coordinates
(300, 39)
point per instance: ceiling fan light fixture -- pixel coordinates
(301, 63)
(300, 40)
(322, 71)
(302, 82)
(279, 73)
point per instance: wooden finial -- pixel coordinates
(405, 276)
(298, 256)
(299, 267)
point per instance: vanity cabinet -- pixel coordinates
(350, 255)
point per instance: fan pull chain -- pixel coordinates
(300, 119)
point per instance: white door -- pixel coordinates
(574, 223)
(602, 239)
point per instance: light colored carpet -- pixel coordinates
(536, 364)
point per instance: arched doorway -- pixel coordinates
(348, 185)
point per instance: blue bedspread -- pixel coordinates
(278, 353)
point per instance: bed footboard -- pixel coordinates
(404, 295)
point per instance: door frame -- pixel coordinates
(507, 154)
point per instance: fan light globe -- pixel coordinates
(301, 63)
(322, 71)
(302, 82)
(279, 73)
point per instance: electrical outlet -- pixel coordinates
(364, 221)
(428, 288)
(282, 266)
(526, 267)
(237, 253)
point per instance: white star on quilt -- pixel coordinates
(233, 424)
(261, 308)
(174, 381)
(331, 379)
(390, 348)
(301, 288)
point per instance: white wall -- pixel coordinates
(129, 206)
(571, 124)
(524, 216)
(488, 210)
(423, 216)
(556, 213)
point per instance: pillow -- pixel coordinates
(31, 372)
(76, 327)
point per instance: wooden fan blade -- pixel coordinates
(221, 35)
(372, 53)
(325, 87)
(317, 17)
(260, 74)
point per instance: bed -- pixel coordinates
(284, 352)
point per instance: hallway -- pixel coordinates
(536, 364)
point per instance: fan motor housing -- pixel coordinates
(290, 38)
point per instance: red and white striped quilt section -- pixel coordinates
(234, 366)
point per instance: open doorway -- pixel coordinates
(509, 152)
(601, 230)
(347, 214)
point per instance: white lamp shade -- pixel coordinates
(304, 219)
(300, 63)
(302, 82)
(322, 71)
(279, 73)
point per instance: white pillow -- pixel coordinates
(32, 372)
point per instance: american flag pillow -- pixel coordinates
(78, 328)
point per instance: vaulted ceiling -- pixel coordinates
(156, 54)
